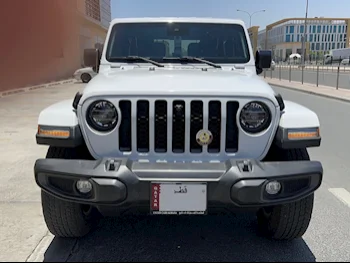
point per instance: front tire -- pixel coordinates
(288, 221)
(67, 219)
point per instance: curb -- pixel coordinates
(309, 92)
(30, 88)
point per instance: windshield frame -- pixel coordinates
(217, 60)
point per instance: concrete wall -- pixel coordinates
(40, 41)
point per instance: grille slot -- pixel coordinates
(214, 126)
(179, 110)
(125, 126)
(231, 127)
(196, 125)
(160, 126)
(169, 123)
(142, 126)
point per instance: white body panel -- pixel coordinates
(178, 82)
(60, 114)
(298, 116)
(193, 81)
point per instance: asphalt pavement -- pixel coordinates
(325, 77)
(215, 238)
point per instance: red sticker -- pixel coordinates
(155, 197)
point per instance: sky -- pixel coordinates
(275, 9)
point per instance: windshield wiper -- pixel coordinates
(136, 58)
(187, 59)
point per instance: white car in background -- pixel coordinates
(84, 74)
(345, 62)
(273, 65)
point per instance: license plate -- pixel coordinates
(178, 198)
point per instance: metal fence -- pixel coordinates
(337, 76)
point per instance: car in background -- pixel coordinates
(345, 62)
(84, 74)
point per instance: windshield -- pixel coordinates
(218, 43)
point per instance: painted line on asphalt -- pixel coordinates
(342, 194)
(38, 254)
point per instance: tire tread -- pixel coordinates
(65, 219)
(289, 221)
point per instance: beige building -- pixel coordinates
(285, 37)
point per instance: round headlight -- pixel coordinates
(255, 117)
(102, 116)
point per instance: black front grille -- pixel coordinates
(176, 114)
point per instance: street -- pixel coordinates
(325, 77)
(219, 238)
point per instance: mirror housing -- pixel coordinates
(92, 58)
(263, 59)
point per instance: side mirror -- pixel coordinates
(263, 59)
(92, 58)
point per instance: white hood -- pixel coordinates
(178, 82)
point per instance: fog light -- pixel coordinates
(84, 186)
(273, 188)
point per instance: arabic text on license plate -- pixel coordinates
(177, 199)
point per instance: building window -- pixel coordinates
(298, 38)
(326, 46)
(292, 38)
(287, 30)
(333, 45)
(327, 29)
(334, 29)
(313, 46)
(324, 29)
(318, 29)
(341, 37)
(314, 29)
(93, 9)
(291, 29)
(329, 38)
(318, 38)
(317, 46)
(339, 29)
(287, 38)
(322, 46)
(332, 37)
(311, 38)
(301, 29)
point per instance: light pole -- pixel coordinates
(250, 15)
(303, 44)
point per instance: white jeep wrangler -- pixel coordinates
(177, 121)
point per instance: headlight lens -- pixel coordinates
(255, 117)
(102, 116)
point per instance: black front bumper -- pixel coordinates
(127, 184)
